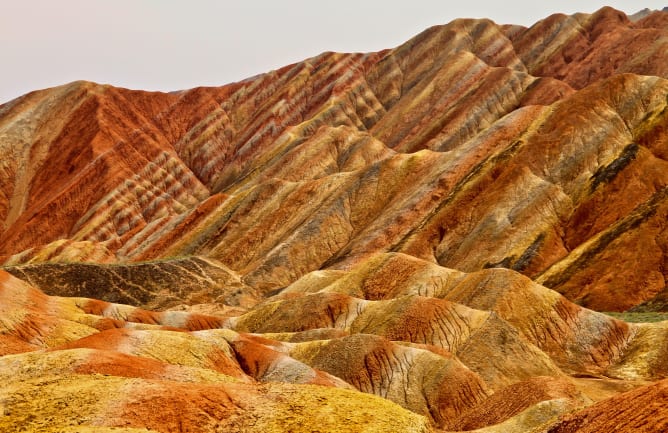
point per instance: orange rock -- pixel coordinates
(265, 255)
(640, 410)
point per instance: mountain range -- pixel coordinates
(420, 239)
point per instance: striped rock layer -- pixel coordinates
(392, 241)
(432, 347)
(472, 145)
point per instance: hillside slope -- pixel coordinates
(426, 232)
(446, 148)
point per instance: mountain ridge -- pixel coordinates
(424, 232)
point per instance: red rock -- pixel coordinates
(272, 251)
(640, 410)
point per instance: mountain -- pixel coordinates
(415, 239)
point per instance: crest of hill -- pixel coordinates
(421, 149)
(403, 240)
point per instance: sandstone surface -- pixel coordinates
(420, 239)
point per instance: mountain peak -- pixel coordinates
(423, 238)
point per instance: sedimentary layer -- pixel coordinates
(409, 240)
(472, 145)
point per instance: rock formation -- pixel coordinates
(419, 239)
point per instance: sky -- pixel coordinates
(177, 44)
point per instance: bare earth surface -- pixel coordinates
(420, 239)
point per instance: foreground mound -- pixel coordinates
(421, 362)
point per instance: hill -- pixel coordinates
(421, 239)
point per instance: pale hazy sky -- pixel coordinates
(172, 45)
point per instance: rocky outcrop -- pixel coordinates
(158, 284)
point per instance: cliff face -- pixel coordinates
(391, 223)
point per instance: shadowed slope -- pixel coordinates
(157, 284)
